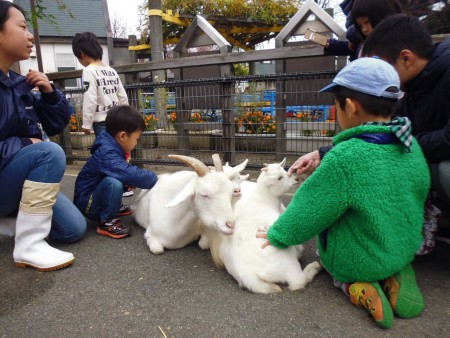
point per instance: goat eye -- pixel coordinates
(203, 196)
(280, 178)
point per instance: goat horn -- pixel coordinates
(217, 162)
(199, 167)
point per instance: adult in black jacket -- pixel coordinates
(424, 72)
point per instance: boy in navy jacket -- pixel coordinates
(99, 186)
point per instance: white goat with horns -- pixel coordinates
(241, 254)
(175, 209)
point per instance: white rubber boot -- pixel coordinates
(8, 226)
(33, 226)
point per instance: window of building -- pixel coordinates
(67, 62)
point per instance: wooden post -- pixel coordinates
(280, 117)
(64, 138)
(157, 54)
(37, 40)
(228, 113)
(132, 77)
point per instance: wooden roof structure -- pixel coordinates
(323, 23)
(243, 33)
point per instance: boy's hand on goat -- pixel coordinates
(263, 234)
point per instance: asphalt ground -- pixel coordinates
(117, 288)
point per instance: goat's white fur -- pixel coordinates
(174, 209)
(234, 175)
(255, 268)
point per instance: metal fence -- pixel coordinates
(262, 118)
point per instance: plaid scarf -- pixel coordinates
(401, 127)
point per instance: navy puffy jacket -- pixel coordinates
(21, 110)
(108, 159)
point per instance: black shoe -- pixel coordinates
(124, 210)
(113, 228)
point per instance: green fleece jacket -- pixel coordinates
(366, 203)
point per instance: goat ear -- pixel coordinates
(184, 194)
(217, 162)
(244, 177)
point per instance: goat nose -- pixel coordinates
(237, 190)
(230, 225)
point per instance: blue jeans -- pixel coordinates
(106, 200)
(43, 162)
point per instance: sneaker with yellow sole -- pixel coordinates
(371, 297)
(404, 294)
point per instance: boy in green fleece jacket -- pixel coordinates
(365, 201)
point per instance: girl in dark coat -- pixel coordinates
(362, 18)
(30, 169)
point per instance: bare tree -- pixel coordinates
(119, 27)
(435, 14)
(143, 27)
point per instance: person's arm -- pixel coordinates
(436, 144)
(324, 150)
(122, 95)
(339, 48)
(319, 202)
(114, 165)
(306, 164)
(89, 99)
(50, 104)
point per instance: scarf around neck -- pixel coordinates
(401, 127)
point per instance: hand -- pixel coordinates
(263, 234)
(87, 131)
(305, 164)
(40, 80)
(35, 140)
(351, 46)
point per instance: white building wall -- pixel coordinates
(49, 58)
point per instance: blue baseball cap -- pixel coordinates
(368, 75)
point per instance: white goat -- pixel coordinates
(234, 175)
(180, 202)
(255, 268)
(142, 201)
